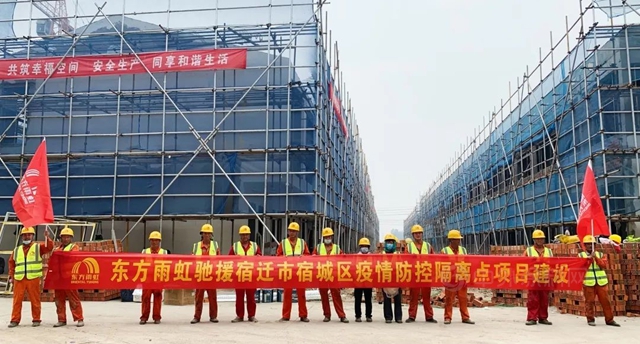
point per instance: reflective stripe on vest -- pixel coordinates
(289, 251)
(148, 251)
(237, 248)
(322, 249)
(425, 249)
(29, 266)
(448, 250)
(532, 252)
(213, 248)
(68, 248)
(594, 273)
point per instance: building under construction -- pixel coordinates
(263, 144)
(525, 167)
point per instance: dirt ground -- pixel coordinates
(116, 322)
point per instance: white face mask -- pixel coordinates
(364, 249)
(26, 242)
(327, 241)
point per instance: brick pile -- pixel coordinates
(87, 294)
(623, 273)
(472, 301)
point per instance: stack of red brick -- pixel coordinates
(92, 294)
(472, 301)
(623, 273)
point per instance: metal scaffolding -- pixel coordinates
(523, 169)
(270, 146)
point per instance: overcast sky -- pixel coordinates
(423, 75)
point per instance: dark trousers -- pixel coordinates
(357, 293)
(397, 306)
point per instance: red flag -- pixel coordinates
(591, 210)
(32, 200)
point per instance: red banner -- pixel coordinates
(32, 200)
(91, 270)
(99, 65)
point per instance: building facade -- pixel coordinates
(525, 168)
(124, 151)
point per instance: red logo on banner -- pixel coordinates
(99, 65)
(32, 200)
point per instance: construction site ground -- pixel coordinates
(116, 322)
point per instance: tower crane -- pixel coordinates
(56, 11)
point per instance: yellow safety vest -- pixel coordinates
(425, 249)
(594, 274)
(322, 250)
(68, 247)
(289, 250)
(160, 251)
(213, 248)
(448, 250)
(237, 248)
(532, 252)
(29, 266)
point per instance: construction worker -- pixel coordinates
(418, 246)
(155, 238)
(365, 245)
(245, 247)
(390, 247)
(327, 247)
(206, 247)
(538, 300)
(595, 284)
(25, 272)
(293, 247)
(61, 296)
(460, 292)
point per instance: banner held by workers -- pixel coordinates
(101, 65)
(90, 270)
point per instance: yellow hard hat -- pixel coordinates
(155, 235)
(538, 234)
(615, 238)
(390, 237)
(364, 242)
(66, 231)
(417, 229)
(206, 228)
(588, 239)
(454, 234)
(327, 232)
(294, 226)
(28, 230)
(244, 230)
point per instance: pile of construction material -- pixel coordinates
(623, 272)
(472, 301)
(87, 294)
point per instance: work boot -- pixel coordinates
(142, 322)
(531, 322)
(544, 322)
(358, 320)
(35, 324)
(214, 320)
(591, 323)
(12, 324)
(447, 321)
(369, 320)
(252, 319)
(305, 319)
(80, 323)
(468, 321)
(388, 321)
(60, 324)
(283, 320)
(195, 321)
(410, 320)
(156, 322)
(237, 319)
(432, 320)
(614, 324)
(344, 320)
(326, 319)
(399, 321)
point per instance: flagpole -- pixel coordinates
(593, 243)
